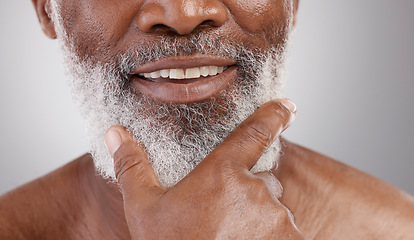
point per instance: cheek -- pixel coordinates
(257, 16)
(95, 27)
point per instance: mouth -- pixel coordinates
(183, 76)
(184, 79)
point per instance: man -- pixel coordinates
(182, 77)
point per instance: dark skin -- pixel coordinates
(218, 194)
(220, 198)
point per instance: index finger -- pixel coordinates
(249, 141)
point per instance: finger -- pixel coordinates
(248, 142)
(135, 175)
(272, 183)
(291, 218)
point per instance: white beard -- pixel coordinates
(177, 137)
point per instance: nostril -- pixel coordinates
(162, 28)
(208, 23)
(159, 16)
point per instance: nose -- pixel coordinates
(180, 16)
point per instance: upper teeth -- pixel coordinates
(187, 73)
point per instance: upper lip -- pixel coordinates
(182, 62)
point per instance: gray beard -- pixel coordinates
(177, 137)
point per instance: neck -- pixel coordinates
(104, 201)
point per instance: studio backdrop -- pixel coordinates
(351, 76)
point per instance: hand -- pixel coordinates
(220, 198)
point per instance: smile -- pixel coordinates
(184, 79)
(188, 73)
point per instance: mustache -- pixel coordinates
(199, 42)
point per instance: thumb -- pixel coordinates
(135, 175)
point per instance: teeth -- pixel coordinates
(188, 73)
(192, 73)
(204, 71)
(177, 74)
(213, 70)
(165, 73)
(155, 74)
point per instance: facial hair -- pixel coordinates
(177, 137)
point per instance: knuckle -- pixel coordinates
(261, 190)
(283, 217)
(126, 158)
(286, 216)
(288, 221)
(122, 164)
(272, 183)
(258, 132)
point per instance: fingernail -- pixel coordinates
(292, 108)
(112, 140)
(288, 104)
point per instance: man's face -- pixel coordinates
(179, 75)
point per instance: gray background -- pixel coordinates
(351, 76)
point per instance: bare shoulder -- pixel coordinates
(329, 198)
(40, 208)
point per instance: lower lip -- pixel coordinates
(193, 91)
